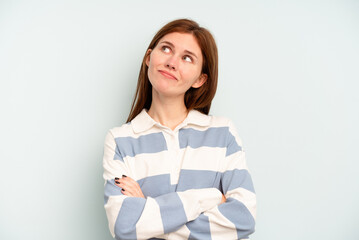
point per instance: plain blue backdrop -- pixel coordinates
(288, 78)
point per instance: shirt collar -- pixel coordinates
(143, 121)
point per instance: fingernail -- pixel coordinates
(116, 178)
(123, 189)
(124, 176)
(117, 182)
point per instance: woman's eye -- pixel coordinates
(165, 49)
(188, 58)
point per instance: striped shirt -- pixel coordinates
(182, 173)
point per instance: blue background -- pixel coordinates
(288, 78)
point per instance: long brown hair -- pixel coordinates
(195, 98)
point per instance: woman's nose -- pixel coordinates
(172, 63)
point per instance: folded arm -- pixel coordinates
(143, 218)
(234, 219)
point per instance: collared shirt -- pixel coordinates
(183, 174)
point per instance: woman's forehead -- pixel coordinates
(186, 41)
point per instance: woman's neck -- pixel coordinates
(170, 112)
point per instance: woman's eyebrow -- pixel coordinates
(187, 51)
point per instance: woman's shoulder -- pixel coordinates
(204, 121)
(123, 130)
(226, 123)
(219, 120)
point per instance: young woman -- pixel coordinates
(173, 171)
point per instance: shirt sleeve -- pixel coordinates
(144, 218)
(234, 219)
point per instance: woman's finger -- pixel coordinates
(129, 186)
(135, 187)
(223, 199)
(120, 184)
(127, 192)
(127, 189)
(129, 182)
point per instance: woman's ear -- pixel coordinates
(200, 81)
(148, 54)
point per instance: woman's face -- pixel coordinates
(175, 64)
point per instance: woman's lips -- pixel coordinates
(167, 75)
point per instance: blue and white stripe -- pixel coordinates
(183, 174)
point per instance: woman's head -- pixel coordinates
(175, 66)
(199, 96)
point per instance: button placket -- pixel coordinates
(175, 164)
(177, 153)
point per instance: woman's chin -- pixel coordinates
(165, 92)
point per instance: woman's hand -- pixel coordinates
(223, 199)
(129, 186)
